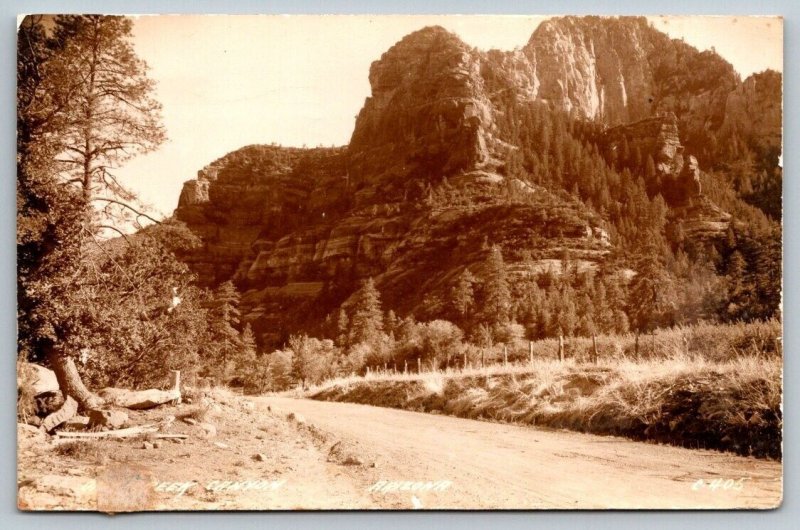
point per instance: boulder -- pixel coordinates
(107, 419)
(40, 378)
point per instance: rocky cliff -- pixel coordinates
(423, 188)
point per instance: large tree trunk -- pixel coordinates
(69, 380)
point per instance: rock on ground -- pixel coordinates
(107, 419)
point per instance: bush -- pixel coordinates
(441, 341)
(279, 370)
(312, 359)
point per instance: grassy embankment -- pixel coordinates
(706, 386)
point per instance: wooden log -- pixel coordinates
(67, 411)
(122, 433)
(139, 399)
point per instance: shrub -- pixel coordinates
(279, 370)
(312, 359)
(80, 450)
(441, 341)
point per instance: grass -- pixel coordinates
(26, 398)
(722, 392)
(80, 450)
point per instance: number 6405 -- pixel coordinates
(719, 484)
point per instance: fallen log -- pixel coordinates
(106, 434)
(67, 411)
(144, 399)
(139, 399)
(151, 430)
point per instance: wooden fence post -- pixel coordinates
(419, 365)
(176, 385)
(561, 348)
(405, 366)
(505, 355)
(530, 352)
(594, 349)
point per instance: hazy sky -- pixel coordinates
(230, 81)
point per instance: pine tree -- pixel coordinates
(224, 342)
(342, 327)
(247, 360)
(390, 322)
(110, 115)
(366, 322)
(652, 296)
(463, 294)
(738, 293)
(84, 107)
(496, 291)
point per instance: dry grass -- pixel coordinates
(726, 395)
(26, 402)
(84, 450)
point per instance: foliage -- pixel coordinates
(366, 318)
(312, 359)
(136, 315)
(279, 370)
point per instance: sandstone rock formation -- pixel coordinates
(290, 224)
(677, 176)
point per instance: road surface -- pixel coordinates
(482, 465)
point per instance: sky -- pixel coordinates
(230, 81)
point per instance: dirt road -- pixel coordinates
(488, 465)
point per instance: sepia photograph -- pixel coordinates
(399, 262)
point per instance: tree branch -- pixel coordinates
(117, 230)
(138, 213)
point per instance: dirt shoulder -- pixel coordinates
(249, 459)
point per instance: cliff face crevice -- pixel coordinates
(421, 189)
